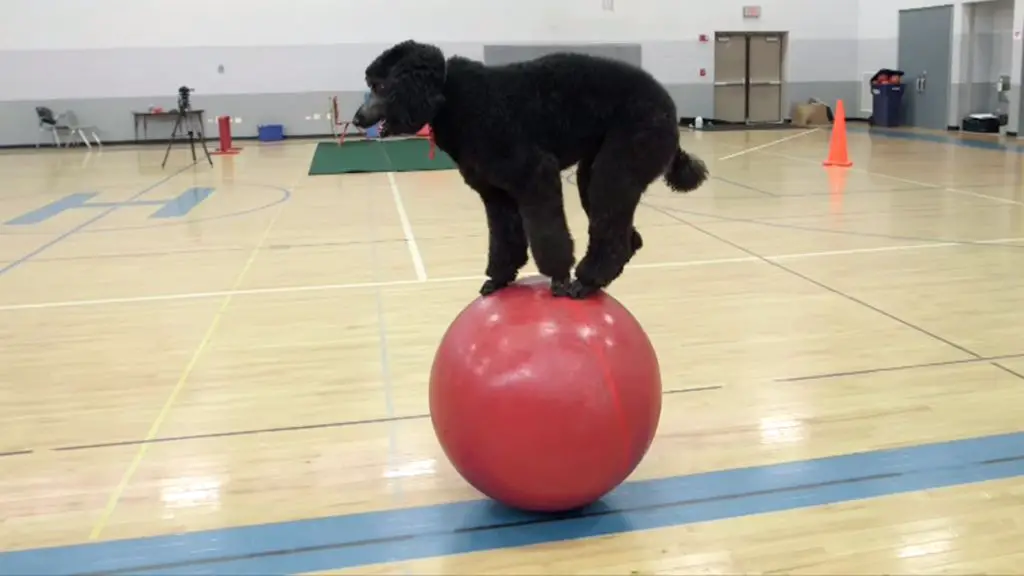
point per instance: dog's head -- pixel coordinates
(406, 88)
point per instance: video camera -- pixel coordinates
(184, 103)
(187, 123)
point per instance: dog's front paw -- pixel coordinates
(576, 290)
(492, 285)
(571, 289)
(560, 288)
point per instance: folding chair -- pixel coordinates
(66, 121)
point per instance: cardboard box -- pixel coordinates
(807, 114)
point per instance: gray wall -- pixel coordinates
(822, 69)
(292, 85)
(976, 97)
(697, 99)
(511, 53)
(987, 53)
(114, 121)
(990, 58)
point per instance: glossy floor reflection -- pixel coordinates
(223, 370)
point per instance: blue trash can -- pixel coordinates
(887, 104)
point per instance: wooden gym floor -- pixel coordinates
(241, 352)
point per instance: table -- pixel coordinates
(146, 116)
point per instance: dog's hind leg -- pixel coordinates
(583, 178)
(506, 246)
(632, 156)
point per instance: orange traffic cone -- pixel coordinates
(837, 152)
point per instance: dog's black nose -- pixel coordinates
(358, 119)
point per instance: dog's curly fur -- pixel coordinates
(512, 129)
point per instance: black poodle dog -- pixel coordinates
(512, 129)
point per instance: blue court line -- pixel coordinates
(183, 204)
(403, 534)
(69, 202)
(173, 208)
(64, 236)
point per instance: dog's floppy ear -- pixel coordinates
(417, 79)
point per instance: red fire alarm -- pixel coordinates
(703, 38)
(703, 72)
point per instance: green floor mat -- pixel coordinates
(377, 156)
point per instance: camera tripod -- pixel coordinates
(186, 123)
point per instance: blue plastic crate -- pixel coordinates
(270, 132)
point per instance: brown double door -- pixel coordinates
(748, 77)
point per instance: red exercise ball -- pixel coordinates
(545, 404)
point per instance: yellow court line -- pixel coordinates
(154, 429)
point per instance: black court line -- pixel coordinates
(16, 453)
(298, 428)
(744, 186)
(855, 190)
(1009, 370)
(829, 375)
(268, 247)
(769, 224)
(821, 285)
(694, 389)
(251, 432)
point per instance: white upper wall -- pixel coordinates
(125, 48)
(867, 30)
(103, 24)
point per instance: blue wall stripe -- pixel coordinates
(409, 533)
(939, 139)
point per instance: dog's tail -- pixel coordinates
(686, 173)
